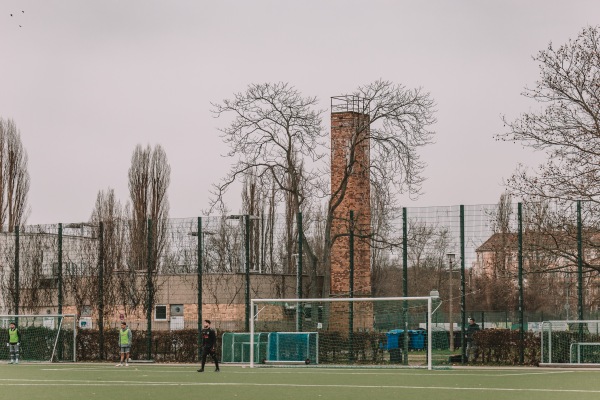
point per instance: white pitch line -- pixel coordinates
(25, 382)
(81, 369)
(435, 374)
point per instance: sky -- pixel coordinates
(86, 81)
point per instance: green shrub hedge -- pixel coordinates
(501, 347)
(167, 346)
(496, 346)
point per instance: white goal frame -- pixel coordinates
(548, 341)
(296, 301)
(9, 317)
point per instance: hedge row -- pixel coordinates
(495, 346)
(167, 346)
(501, 346)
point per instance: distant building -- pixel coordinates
(550, 266)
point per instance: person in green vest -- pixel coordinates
(124, 344)
(14, 341)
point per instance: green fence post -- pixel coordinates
(101, 289)
(463, 317)
(59, 271)
(149, 288)
(17, 273)
(60, 348)
(247, 265)
(405, 283)
(520, 275)
(579, 263)
(199, 268)
(299, 311)
(482, 320)
(351, 287)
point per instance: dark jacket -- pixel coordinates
(209, 338)
(471, 329)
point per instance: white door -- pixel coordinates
(177, 323)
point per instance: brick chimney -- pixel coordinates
(350, 132)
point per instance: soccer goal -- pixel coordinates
(570, 342)
(346, 331)
(47, 338)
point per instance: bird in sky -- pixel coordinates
(12, 15)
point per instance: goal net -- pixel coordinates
(343, 331)
(570, 342)
(42, 337)
(271, 347)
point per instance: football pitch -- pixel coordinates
(172, 382)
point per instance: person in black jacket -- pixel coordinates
(209, 344)
(472, 351)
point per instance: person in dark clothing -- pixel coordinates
(472, 350)
(209, 344)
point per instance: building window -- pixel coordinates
(160, 313)
(176, 310)
(86, 311)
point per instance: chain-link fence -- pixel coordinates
(507, 265)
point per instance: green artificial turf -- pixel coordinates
(171, 382)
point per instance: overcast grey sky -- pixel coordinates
(85, 81)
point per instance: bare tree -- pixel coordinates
(149, 178)
(277, 132)
(274, 132)
(14, 176)
(567, 128)
(116, 277)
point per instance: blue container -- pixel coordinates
(416, 339)
(394, 338)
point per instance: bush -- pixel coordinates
(366, 349)
(496, 346)
(167, 346)
(501, 346)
